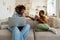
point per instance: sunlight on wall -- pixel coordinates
(51, 7)
(3, 13)
(6, 8)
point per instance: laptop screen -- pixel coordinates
(19, 21)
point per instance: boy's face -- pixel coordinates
(41, 14)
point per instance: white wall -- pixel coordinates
(6, 8)
(18, 2)
(36, 4)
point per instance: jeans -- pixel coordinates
(20, 35)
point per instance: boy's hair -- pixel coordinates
(19, 8)
(41, 11)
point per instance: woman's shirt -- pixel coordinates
(16, 15)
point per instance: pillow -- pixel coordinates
(19, 21)
(4, 26)
(3, 23)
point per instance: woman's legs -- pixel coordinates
(16, 34)
(20, 35)
(25, 31)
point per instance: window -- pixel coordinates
(51, 7)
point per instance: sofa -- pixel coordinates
(5, 34)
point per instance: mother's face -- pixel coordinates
(22, 11)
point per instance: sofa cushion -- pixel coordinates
(47, 35)
(5, 35)
(4, 26)
(30, 35)
(3, 22)
(54, 22)
(50, 21)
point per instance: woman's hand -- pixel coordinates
(26, 16)
(31, 18)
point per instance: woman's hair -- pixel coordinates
(41, 11)
(19, 8)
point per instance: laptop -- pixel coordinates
(19, 21)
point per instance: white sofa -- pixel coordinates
(53, 22)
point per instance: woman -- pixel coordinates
(42, 20)
(19, 33)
